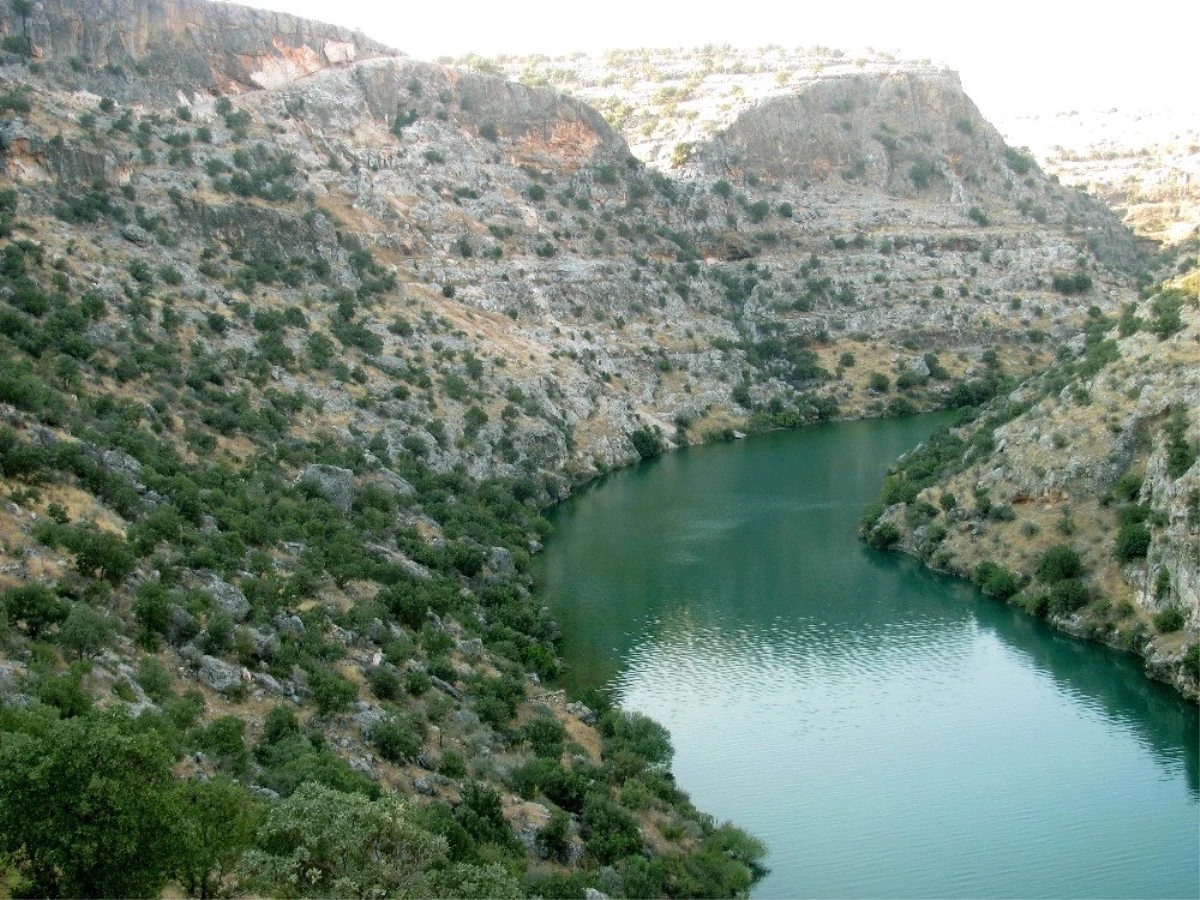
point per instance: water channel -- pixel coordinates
(888, 732)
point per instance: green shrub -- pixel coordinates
(1067, 596)
(1169, 619)
(66, 692)
(610, 833)
(554, 838)
(1191, 661)
(995, 580)
(1078, 283)
(1133, 542)
(883, 537)
(224, 739)
(156, 680)
(637, 736)
(481, 814)
(648, 442)
(1180, 454)
(36, 607)
(1059, 563)
(86, 631)
(452, 765)
(331, 692)
(385, 683)
(397, 739)
(546, 735)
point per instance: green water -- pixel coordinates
(888, 732)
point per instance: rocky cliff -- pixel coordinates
(169, 50)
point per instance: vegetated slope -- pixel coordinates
(287, 373)
(1077, 496)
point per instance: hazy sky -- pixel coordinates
(1015, 55)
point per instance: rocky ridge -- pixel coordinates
(669, 101)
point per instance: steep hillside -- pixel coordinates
(299, 335)
(1145, 164)
(1077, 496)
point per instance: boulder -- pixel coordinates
(227, 598)
(218, 675)
(289, 623)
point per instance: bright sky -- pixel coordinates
(1014, 56)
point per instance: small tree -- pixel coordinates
(218, 819)
(86, 632)
(106, 821)
(36, 606)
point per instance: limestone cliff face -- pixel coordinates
(158, 48)
(529, 124)
(909, 132)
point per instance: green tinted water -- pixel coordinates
(888, 732)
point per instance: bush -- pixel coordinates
(36, 606)
(397, 739)
(1133, 542)
(883, 537)
(156, 680)
(1169, 619)
(385, 683)
(1067, 596)
(331, 692)
(546, 735)
(995, 580)
(879, 382)
(1079, 283)
(554, 838)
(86, 632)
(224, 739)
(1059, 563)
(481, 814)
(647, 442)
(1180, 454)
(610, 833)
(1191, 662)
(634, 742)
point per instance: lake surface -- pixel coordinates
(887, 731)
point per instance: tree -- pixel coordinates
(35, 605)
(105, 822)
(322, 843)
(218, 819)
(86, 631)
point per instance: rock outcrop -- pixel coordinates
(168, 50)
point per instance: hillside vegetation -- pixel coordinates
(1077, 496)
